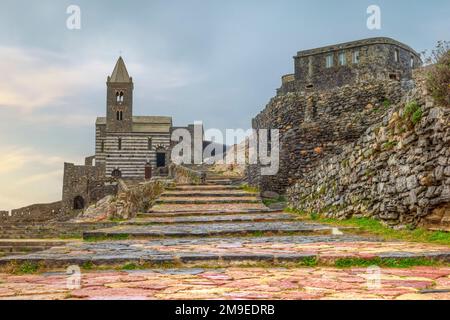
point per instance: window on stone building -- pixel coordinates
(119, 115)
(355, 56)
(117, 96)
(269, 141)
(120, 143)
(412, 62)
(397, 55)
(342, 59)
(149, 144)
(329, 60)
(102, 148)
(121, 95)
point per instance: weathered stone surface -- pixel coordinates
(419, 283)
(400, 181)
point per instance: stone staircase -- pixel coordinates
(219, 222)
(218, 208)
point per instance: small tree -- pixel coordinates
(438, 81)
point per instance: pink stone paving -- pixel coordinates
(235, 284)
(363, 249)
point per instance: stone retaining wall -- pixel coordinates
(318, 124)
(397, 171)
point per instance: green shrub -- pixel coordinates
(417, 116)
(438, 81)
(387, 103)
(412, 112)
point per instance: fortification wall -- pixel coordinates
(352, 62)
(398, 171)
(84, 185)
(317, 124)
(32, 213)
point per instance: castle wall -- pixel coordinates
(315, 125)
(397, 171)
(32, 213)
(85, 182)
(376, 62)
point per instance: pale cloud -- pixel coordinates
(14, 158)
(34, 78)
(40, 177)
(28, 176)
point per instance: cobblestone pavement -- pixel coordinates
(273, 249)
(235, 284)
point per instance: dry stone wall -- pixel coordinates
(314, 125)
(398, 171)
(31, 214)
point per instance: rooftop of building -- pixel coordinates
(355, 44)
(120, 73)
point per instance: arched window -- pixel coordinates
(121, 95)
(120, 143)
(117, 96)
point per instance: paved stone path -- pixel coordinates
(235, 284)
(217, 250)
(219, 224)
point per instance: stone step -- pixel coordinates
(206, 200)
(205, 230)
(218, 208)
(231, 251)
(215, 177)
(17, 249)
(208, 193)
(165, 214)
(203, 187)
(259, 217)
(221, 182)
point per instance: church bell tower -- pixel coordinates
(119, 99)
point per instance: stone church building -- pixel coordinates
(126, 146)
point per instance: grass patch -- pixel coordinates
(27, 268)
(247, 188)
(131, 266)
(88, 265)
(106, 237)
(257, 234)
(308, 262)
(385, 262)
(413, 112)
(268, 202)
(389, 145)
(375, 227)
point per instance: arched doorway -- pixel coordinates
(78, 203)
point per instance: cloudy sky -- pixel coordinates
(210, 60)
